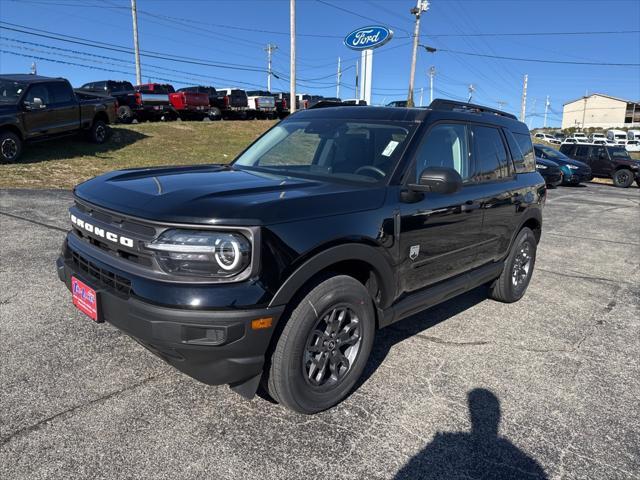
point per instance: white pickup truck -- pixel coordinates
(262, 104)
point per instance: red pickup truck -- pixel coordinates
(186, 105)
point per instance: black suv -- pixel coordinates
(611, 161)
(276, 270)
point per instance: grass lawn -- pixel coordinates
(66, 162)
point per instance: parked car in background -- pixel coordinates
(282, 103)
(569, 140)
(580, 137)
(355, 101)
(216, 103)
(154, 102)
(235, 103)
(560, 136)
(547, 138)
(39, 108)
(632, 146)
(308, 101)
(633, 134)
(262, 104)
(598, 137)
(397, 103)
(190, 105)
(574, 172)
(611, 161)
(122, 91)
(617, 136)
(550, 171)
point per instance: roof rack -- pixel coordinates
(442, 104)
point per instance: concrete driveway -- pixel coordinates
(548, 387)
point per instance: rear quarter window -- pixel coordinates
(524, 158)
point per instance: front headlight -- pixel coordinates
(202, 253)
(539, 166)
(572, 167)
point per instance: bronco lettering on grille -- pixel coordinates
(100, 232)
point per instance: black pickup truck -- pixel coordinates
(129, 101)
(276, 270)
(38, 108)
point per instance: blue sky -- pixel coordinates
(236, 32)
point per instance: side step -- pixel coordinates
(430, 296)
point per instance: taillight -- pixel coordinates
(138, 98)
(257, 103)
(226, 101)
(306, 104)
(284, 103)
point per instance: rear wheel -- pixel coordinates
(125, 115)
(622, 178)
(99, 132)
(518, 269)
(324, 346)
(10, 147)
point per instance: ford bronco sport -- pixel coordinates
(275, 271)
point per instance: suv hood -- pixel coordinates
(214, 194)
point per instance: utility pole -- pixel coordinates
(338, 77)
(421, 6)
(269, 49)
(357, 95)
(584, 110)
(292, 76)
(421, 92)
(34, 68)
(471, 90)
(136, 46)
(432, 73)
(523, 108)
(546, 109)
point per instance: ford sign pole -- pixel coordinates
(366, 39)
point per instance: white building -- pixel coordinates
(600, 111)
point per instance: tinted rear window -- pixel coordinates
(120, 87)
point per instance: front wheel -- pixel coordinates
(510, 286)
(622, 178)
(324, 346)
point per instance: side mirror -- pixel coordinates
(438, 180)
(35, 105)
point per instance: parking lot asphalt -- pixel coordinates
(548, 387)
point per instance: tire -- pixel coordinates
(99, 132)
(307, 341)
(125, 115)
(512, 283)
(622, 178)
(215, 114)
(10, 147)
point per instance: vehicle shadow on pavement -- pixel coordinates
(479, 453)
(409, 327)
(76, 146)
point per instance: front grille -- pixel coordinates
(102, 276)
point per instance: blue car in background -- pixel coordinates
(574, 172)
(550, 171)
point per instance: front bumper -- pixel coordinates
(213, 346)
(576, 178)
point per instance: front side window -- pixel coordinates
(490, 154)
(445, 146)
(619, 152)
(38, 91)
(329, 149)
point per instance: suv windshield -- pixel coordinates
(11, 91)
(553, 153)
(333, 150)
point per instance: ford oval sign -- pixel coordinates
(368, 37)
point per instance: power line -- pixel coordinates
(536, 60)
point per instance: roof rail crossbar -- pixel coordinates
(443, 104)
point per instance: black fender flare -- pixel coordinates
(530, 214)
(351, 251)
